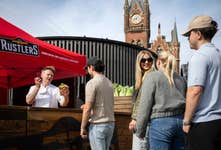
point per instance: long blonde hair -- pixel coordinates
(167, 65)
(138, 70)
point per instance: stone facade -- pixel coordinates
(173, 46)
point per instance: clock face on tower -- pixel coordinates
(136, 19)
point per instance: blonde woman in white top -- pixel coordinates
(144, 65)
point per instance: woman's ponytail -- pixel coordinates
(168, 65)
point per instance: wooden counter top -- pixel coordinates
(51, 125)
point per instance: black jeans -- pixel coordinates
(204, 136)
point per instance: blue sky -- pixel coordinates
(104, 18)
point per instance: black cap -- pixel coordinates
(93, 61)
(97, 63)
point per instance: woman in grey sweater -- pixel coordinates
(162, 103)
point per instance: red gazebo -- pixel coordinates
(22, 56)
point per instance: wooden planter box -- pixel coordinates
(123, 104)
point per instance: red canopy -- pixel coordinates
(22, 56)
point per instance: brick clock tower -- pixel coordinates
(137, 22)
(137, 29)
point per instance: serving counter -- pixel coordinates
(23, 127)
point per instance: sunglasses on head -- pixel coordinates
(143, 60)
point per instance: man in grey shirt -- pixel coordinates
(202, 120)
(99, 107)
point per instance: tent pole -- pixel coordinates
(10, 92)
(10, 96)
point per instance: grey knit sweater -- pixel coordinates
(159, 99)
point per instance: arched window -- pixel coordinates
(140, 43)
(132, 42)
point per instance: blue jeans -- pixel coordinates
(100, 135)
(141, 144)
(166, 133)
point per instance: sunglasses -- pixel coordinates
(143, 60)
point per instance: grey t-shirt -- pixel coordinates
(99, 91)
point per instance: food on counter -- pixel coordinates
(62, 85)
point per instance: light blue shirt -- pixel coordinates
(205, 70)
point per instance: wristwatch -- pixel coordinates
(186, 123)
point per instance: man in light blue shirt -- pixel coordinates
(202, 119)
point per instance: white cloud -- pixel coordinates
(104, 18)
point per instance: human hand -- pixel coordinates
(186, 129)
(38, 81)
(83, 134)
(64, 91)
(132, 125)
(82, 106)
